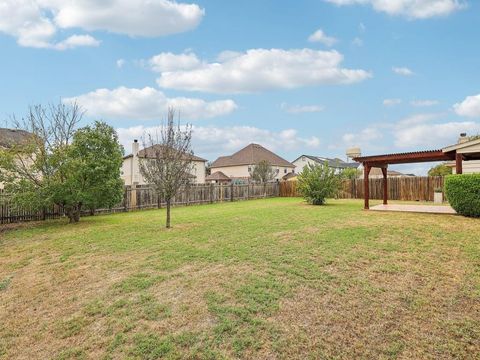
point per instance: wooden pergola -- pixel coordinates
(382, 161)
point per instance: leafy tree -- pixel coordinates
(350, 173)
(317, 182)
(168, 162)
(440, 170)
(263, 173)
(96, 157)
(61, 165)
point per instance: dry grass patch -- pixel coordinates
(266, 279)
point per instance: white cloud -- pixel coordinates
(120, 63)
(392, 102)
(362, 138)
(321, 37)
(424, 103)
(433, 135)
(404, 71)
(413, 9)
(34, 23)
(172, 62)
(147, 104)
(469, 107)
(214, 141)
(415, 132)
(75, 41)
(263, 69)
(298, 109)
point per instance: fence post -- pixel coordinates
(231, 192)
(133, 197)
(211, 193)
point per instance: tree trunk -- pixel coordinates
(168, 214)
(71, 218)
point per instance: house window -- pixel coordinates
(303, 158)
(249, 169)
(284, 171)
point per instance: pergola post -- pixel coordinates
(366, 172)
(458, 163)
(385, 185)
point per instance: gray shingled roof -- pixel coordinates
(150, 152)
(335, 163)
(251, 155)
(10, 137)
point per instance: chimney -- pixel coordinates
(135, 147)
(463, 138)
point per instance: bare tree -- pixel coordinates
(263, 173)
(167, 164)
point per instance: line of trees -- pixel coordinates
(62, 164)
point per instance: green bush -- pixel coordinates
(317, 182)
(463, 193)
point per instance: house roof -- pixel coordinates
(289, 176)
(217, 175)
(11, 137)
(335, 163)
(150, 153)
(461, 145)
(251, 155)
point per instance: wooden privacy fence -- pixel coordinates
(145, 198)
(399, 188)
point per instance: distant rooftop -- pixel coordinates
(250, 155)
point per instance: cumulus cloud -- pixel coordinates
(298, 109)
(211, 142)
(392, 102)
(423, 103)
(263, 69)
(364, 137)
(76, 41)
(417, 131)
(469, 107)
(34, 23)
(147, 104)
(171, 62)
(321, 37)
(404, 71)
(433, 135)
(120, 63)
(413, 9)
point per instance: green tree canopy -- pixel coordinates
(263, 172)
(61, 165)
(440, 170)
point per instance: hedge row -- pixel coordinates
(463, 193)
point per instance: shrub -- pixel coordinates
(463, 193)
(317, 182)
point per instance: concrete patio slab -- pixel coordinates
(429, 209)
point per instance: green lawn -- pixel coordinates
(264, 279)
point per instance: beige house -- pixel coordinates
(11, 137)
(131, 169)
(239, 166)
(465, 147)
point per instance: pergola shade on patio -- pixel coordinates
(463, 151)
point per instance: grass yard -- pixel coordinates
(264, 279)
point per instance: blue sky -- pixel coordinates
(301, 77)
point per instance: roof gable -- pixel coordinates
(11, 137)
(250, 155)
